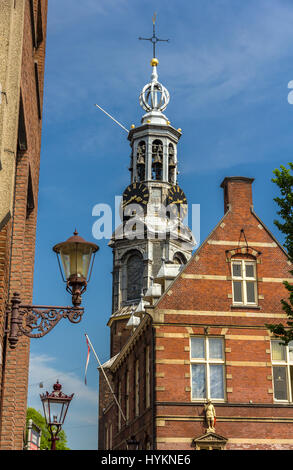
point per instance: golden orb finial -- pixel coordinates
(154, 62)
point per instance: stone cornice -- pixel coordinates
(129, 346)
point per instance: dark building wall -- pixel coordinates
(139, 419)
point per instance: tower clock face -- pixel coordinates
(136, 193)
(177, 201)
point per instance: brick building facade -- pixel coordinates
(22, 59)
(205, 338)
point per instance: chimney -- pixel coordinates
(237, 193)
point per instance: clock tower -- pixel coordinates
(152, 243)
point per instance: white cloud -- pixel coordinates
(225, 62)
(65, 12)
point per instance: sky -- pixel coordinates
(227, 67)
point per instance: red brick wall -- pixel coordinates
(199, 302)
(16, 362)
(5, 235)
(200, 298)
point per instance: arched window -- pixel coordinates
(179, 259)
(172, 164)
(140, 161)
(157, 160)
(135, 270)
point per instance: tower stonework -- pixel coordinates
(153, 206)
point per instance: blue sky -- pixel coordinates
(227, 67)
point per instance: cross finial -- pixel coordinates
(154, 39)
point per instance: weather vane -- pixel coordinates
(154, 39)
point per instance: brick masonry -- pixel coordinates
(17, 233)
(199, 302)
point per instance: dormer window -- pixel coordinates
(244, 282)
(157, 160)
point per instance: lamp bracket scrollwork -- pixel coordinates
(36, 321)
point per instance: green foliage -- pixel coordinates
(284, 180)
(40, 421)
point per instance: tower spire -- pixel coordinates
(154, 39)
(154, 97)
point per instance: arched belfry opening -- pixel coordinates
(157, 160)
(140, 160)
(172, 164)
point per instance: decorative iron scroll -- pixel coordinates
(37, 321)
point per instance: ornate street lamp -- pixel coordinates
(77, 258)
(76, 254)
(132, 443)
(55, 406)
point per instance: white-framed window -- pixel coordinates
(244, 284)
(207, 362)
(282, 364)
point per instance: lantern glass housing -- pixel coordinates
(55, 406)
(76, 255)
(76, 260)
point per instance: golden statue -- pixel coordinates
(210, 413)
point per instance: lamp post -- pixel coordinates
(55, 406)
(77, 258)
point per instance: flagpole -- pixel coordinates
(109, 385)
(109, 115)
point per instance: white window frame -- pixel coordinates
(244, 279)
(207, 361)
(283, 363)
